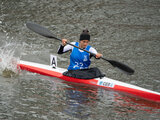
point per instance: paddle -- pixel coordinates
(46, 33)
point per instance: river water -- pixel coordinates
(124, 30)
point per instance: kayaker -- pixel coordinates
(79, 59)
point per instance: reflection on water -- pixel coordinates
(79, 100)
(46, 98)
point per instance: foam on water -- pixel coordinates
(8, 61)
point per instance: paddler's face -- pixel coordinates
(84, 43)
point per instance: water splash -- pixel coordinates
(8, 61)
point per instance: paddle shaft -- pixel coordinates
(46, 33)
(110, 61)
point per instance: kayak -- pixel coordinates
(104, 82)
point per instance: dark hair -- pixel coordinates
(85, 35)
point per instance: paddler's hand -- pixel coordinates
(64, 42)
(0, 60)
(98, 55)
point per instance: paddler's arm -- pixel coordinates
(63, 47)
(60, 50)
(98, 55)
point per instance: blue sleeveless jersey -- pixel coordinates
(79, 60)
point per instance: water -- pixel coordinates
(123, 30)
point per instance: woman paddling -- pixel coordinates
(79, 59)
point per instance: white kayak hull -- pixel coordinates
(104, 82)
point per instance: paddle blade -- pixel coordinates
(121, 66)
(39, 29)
